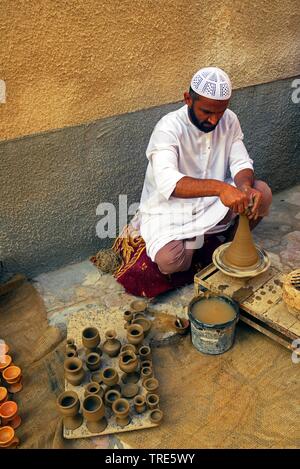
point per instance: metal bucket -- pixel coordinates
(213, 339)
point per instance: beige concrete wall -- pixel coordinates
(73, 61)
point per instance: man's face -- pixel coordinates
(205, 113)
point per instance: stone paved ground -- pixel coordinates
(81, 286)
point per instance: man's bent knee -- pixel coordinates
(173, 258)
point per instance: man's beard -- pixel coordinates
(201, 125)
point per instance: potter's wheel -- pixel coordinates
(261, 266)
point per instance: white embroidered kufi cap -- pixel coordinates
(212, 82)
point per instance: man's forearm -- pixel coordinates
(244, 179)
(188, 187)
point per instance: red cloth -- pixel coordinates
(142, 277)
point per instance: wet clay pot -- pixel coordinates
(111, 396)
(151, 385)
(130, 390)
(138, 306)
(152, 401)
(5, 361)
(127, 347)
(139, 403)
(74, 372)
(9, 414)
(93, 361)
(146, 372)
(71, 352)
(242, 251)
(3, 395)
(93, 388)
(68, 405)
(128, 362)
(135, 334)
(145, 323)
(128, 316)
(13, 377)
(94, 413)
(147, 363)
(112, 345)
(110, 376)
(144, 353)
(90, 338)
(8, 438)
(121, 410)
(156, 415)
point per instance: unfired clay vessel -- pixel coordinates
(121, 410)
(130, 377)
(135, 334)
(93, 388)
(112, 345)
(151, 385)
(94, 413)
(96, 377)
(68, 405)
(145, 353)
(138, 306)
(152, 401)
(156, 415)
(111, 396)
(128, 362)
(128, 316)
(145, 323)
(130, 390)
(139, 404)
(147, 363)
(242, 251)
(93, 361)
(146, 372)
(90, 338)
(74, 372)
(110, 376)
(126, 347)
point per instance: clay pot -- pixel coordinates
(138, 306)
(3, 395)
(127, 347)
(13, 377)
(110, 376)
(135, 334)
(93, 361)
(145, 353)
(128, 362)
(8, 438)
(147, 363)
(121, 410)
(96, 377)
(130, 377)
(74, 372)
(146, 372)
(94, 413)
(128, 316)
(145, 323)
(112, 345)
(71, 343)
(139, 403)
(9, 414)
(111, 396)
(130, 390)
(90, 338)
(71, 352)
(152, 401)
(242, 251)
(93, 388)
(182, 325)
(5, 361)
(68, 405)
(156, 415)
(151, 385)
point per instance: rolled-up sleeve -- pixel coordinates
(239, 158)
(162, 152)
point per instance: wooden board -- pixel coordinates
(260, 299)
(104, 320)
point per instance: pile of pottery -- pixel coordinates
(10, 383)
(114, 393)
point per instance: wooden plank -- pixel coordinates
(269, 333)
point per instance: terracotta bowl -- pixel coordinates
(8, 410)
(7, 435)
(3, 395)
(12, 374)
(5, 362)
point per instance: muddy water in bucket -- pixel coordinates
(213, 322)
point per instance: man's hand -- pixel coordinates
(234, 198)
(254, 200)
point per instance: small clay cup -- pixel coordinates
(146, 372)
(121, 408)
(71, 342)
(152, 401)
(111, 396)
(145, 323)
(9, 414)
(90, 338)
(156, 415)
(68, 405)
(110, 376)
(151, 385)
(138, 306)
(147, 363)
(127, 347)
(71, 352)
(128, 316)
(93, 388)
(128, 362)
(13, 377)
(74, 372)
(182, 325)
(139, 403)
(145, 353)
(93, 361)
(8, 438)
(130, 390)
(3, 395)
(112, 345)
(94, 413)
(135, 334)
